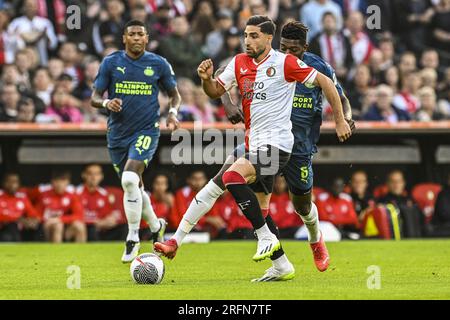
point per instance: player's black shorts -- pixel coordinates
(268, 161)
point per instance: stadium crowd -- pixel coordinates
(58, 211)
(395, 71)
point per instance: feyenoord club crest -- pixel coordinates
(271, 72)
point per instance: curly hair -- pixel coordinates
(295, 30)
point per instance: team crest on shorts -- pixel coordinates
(149, 71)
(271, 72)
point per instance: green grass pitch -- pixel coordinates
(223, 270)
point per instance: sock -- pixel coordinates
(246, 200)
(132, 203)
(199, 206)
(148, 213)
(274, 229)
(281, 263)
(311, 222)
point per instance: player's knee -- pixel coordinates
(130, 180)
(233, 177)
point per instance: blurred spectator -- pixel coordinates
(411, 19)
(358, 88)
(62, 108)
(333, 46)
(101, 221)
(428, 106)
(441, 217)
(162, 202)
(106, 32)
(14, 206)
(61, 211)
(407, 99)
(183, 197)
(430, 59)
(282, 211)
(203, 21)
(188, 110)
(386, 46)
(428, 77)
(383, 109)
(26, 111)
(35, 31)
(337, 208)
(68, 53)
(9, 101)
(23, 64)
(407, 64)
(55, 68)
(238, 226)
(361, 44)
(215, 40)
(9, 44)
(412, 220)
(440, 26)
(359, 192)
(232, 46)
(204, 110)
(43, 85)
(311, 15)
(376, 67)
(392, 78)
(348, 6)
(160, 27)
(181, 50)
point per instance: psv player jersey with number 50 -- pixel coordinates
(267, 89)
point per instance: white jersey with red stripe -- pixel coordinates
(267, 89)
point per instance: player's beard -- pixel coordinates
(257, 53)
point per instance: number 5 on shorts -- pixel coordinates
(304, 173)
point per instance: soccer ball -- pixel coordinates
(147, 268)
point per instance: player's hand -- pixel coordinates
(343, 130)
(115, 105)
(172, 122)
(351, 123)
(205, 69)
(234, 114)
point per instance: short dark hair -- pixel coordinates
(295, 30)
(266, 24)
(133, 23)
(61, 174)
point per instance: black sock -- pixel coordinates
(274, 229)
(248, 203)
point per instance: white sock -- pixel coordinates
(282, 263)
(132, 203)
(311, 222)
(199, 206)
(148, 213)
(264, 232)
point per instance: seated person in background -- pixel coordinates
(282, 210)
(183, 197)
(14, 206)
(383, 109)
(162, 202)
(238, 226)
(98, 214)
(61, 211)
(337, 208)
(358, 191)
(441, 217)
(412, 220)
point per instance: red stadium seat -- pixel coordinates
(425, 194)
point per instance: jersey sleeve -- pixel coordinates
(330, 73)
(296, 70)
(228, 77)
(167, 80)
(101, 81)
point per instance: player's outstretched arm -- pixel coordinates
(342, 127)
(97, 101)
(174, 105)
(211, 87)
(347, 109)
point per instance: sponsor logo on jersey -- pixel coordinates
(133, 88)
(249, 87)
(302, 102)
(271, 72)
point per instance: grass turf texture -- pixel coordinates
(223, 270)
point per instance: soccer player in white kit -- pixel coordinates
(266, 80)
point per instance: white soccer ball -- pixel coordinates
(147, 268)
